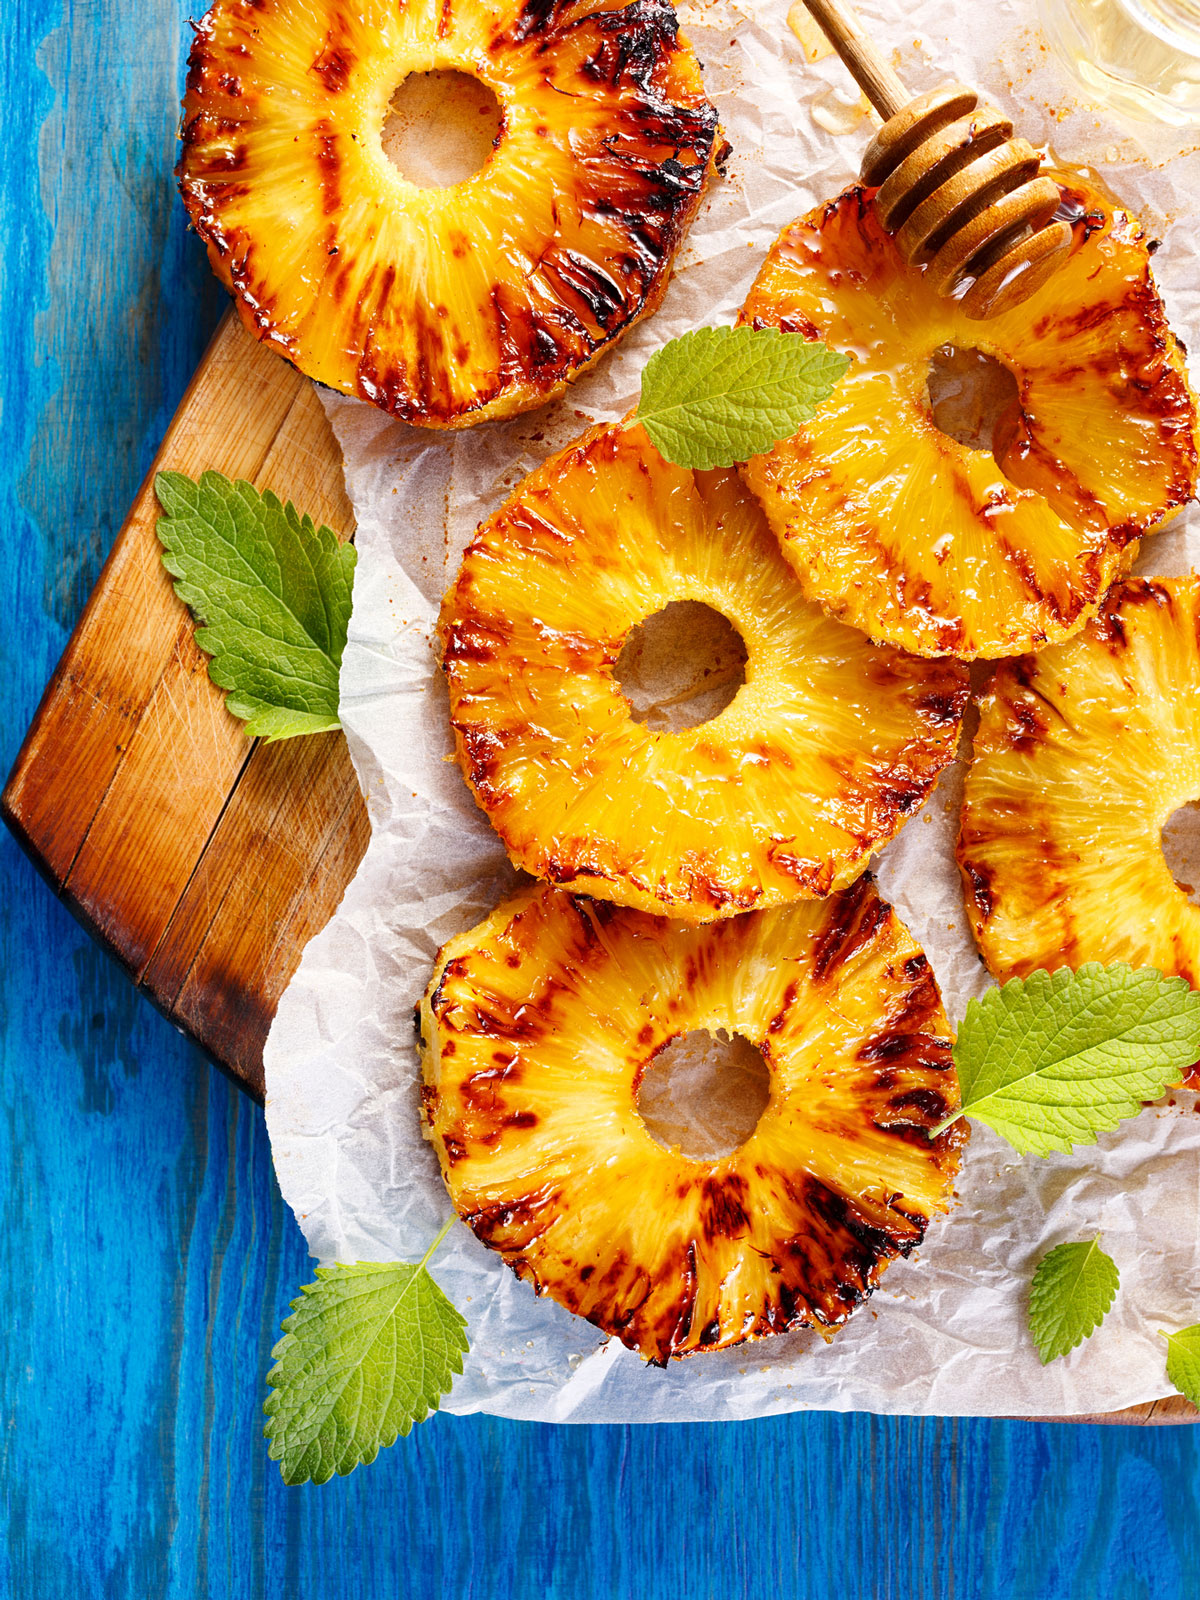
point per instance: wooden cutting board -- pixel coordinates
(201, 860)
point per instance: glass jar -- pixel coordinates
(1140, 56)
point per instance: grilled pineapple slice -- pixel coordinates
(1082, 754)
(535, 1031)
(444, 306)
(829, 744)
(932, 544)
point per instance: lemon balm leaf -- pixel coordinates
(1053, 1060)
(270, 593)
(1072, 1292)
(720, 395)
(1183, 1361)
(369, 1350)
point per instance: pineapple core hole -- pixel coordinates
(971, 395)
(681, 667)
(441, 128)
(1181, 847)
(703, 1094)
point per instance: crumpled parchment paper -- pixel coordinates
(946, 1331)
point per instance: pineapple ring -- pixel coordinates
(535, 1031)
(1082, 754)
(938, 547)
(829, 744)
(444, 306)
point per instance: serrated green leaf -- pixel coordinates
(1054, 1059)
(369, 1350)
(271, 594)
(1183, 1361)
(1072, 1292)
(720, 395)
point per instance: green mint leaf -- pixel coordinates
(274, 592)
(369, 1350)
(1054, 1059)
(1073, 1289)
(1183, 1361)
(720, 395)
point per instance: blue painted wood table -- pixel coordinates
(147, 1256)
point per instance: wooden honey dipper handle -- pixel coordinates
(958, 193)
(867, 67)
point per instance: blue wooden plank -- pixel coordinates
(147, 1258)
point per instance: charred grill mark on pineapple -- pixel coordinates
(514, 1225)
(978, 880)
(333, 66)
(723, 1200)
(1109, 627)
(586, 282)
(857, 915)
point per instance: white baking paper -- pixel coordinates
(946, 1331)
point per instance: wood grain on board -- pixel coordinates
(204, 861)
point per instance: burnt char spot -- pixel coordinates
(455, 1150)
(333, 68)
(520, 1119)
(1030, 725)
(1108, 627)
(928, 1102)
(979, 881)
(482, 751)
(329, 164)
(686, 1309)
(793, 322)
(904, 798)
(535, 17)
(723, 1210)
(875, 1244)
(1142, 592)
(910, 1040)
(944, 708)
(1073, 209)
(474, 639)
(885, 1047)
(481, 1091)
(514, 1224)
(778, 1021)
(856, 916)
(586, 286)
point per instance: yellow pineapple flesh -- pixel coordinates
(943, 547)
(445, 306)
(1082, 754)
(828, 745)
(535, 1031)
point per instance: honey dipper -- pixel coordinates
(960, 196)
